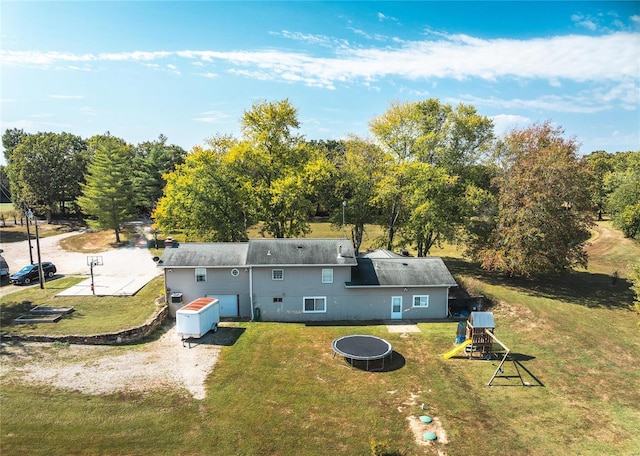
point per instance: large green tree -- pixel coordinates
(358, 170)
(451, 141)
(108, 195)
(434, 200)
(46, 170)
(205, 200)
(154, 159)
(543, 213)
(623, 188)
(11, 138)
(277, 168)
(600, 164)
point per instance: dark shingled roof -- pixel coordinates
(210, 254)
(281, 252)
(261, 252)
(398, 272)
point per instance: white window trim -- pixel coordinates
(329, 277)
(304, 299)
(273, 271)
(203, 275)
(413, 301)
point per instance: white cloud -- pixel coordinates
(505, 122)
(88, 111)
(584, 21)
(209, 75)
(547, 103)
(316, 40)
(578, 58)
(172, 69)
(211, 117)
(383, 17)
(66, 97)
(32, 125)
(78, 68)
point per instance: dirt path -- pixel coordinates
(610, 250)
(162, 364)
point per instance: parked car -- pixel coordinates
(29, 273)
(4, 268)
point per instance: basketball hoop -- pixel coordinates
(93, 260)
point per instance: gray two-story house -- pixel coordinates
(306, 280)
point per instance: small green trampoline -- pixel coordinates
(429, 436)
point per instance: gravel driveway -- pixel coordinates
(90, 369)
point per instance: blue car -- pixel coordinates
(30, 274)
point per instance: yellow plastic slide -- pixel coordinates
(457, 349)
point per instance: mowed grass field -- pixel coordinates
(279, 391)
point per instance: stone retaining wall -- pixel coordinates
(117, 338)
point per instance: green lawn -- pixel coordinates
(279, 391)
(92, 314)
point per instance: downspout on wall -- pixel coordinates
(251, 290)
(446, 314)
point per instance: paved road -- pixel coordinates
(124, 270)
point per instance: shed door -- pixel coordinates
(396, 307)
(228, 305)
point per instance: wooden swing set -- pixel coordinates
(499, 373)
(479, 332)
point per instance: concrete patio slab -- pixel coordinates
(403, 328)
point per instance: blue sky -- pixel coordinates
(188, 70)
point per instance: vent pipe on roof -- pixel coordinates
(339, 250)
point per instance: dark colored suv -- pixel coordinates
(4, 268)
(29, 273)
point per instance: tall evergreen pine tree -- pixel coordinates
(108, 196)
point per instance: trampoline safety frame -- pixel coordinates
(361, 347)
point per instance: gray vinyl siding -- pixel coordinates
(298, 282)
(219, 282)
(342, 303)
(375, 303)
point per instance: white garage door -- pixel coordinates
(228, 304)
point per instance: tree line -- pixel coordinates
(429, 172)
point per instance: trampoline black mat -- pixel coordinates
(362, 347)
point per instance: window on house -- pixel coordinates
(421, 301)
(315, 304)
(327, 276)
(277, 299)
(201, 275)
(277, 274)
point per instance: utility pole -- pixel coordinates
(344, 204)
(26, 213)
(40, 274)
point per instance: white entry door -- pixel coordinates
(396, 307)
